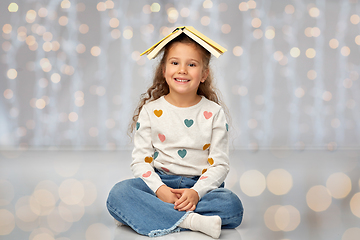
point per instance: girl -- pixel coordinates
(180, 158)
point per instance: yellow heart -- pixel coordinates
(158, 113)
(204, 171)
(206, 146)
(211, 161)
(148, 159)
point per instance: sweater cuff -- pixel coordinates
(201, 191)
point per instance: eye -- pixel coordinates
(192, 65)
(174, 63)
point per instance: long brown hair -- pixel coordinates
(160, 88)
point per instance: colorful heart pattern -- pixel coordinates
(161, 137)
(211, 161)
(207, 114)
(158, 113)
(203, 177)
(204, 171)
(148, 159)
(137, 126)
(188, 122)
(165, 169)
(206, 146)
(156, 154)
(147, 174)
(227, 127)
(182, 153)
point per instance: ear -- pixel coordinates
(205, 75)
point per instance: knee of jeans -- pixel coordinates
(121, 190)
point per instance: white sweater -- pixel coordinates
(189, 142)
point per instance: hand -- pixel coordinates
(164, 194)
(188, 200)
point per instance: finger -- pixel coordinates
(178, 195)
(182, 205)
(187, 207)
(181, 199)
(177, 191)
(193, 208)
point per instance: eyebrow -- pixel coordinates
(176, 58)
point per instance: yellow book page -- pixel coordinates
(206, 39)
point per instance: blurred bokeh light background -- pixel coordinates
(71, 75)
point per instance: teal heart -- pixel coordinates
(137, 126)
(227, 127)
(189, 122)
(182, 153)
(156, 154)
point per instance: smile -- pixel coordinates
(182, 80)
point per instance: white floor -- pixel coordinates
(61, 195)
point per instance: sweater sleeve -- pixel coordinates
(218, 158)
(142, 165)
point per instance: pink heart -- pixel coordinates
(207, 114)
(203, 177)
(165, 169)
(161, 137)
(147, 174)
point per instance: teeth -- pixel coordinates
(181, 80)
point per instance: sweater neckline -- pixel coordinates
(175, 107)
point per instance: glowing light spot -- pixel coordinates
(71, 191)
(354, 19)
(314, 12)
(223, 7)
(7, 28)
(347, 83)
(80, 48)
(289, 9)
(315, 32)
(310, 53)
(252, 123)
(238, 51)
(355, 204)
(83, 28)
(109, 4)
(63, 20)
(114, 22)
(252, 183)
(65, 4)
(173, 15)
(146, 9)
(13, 7)
(205, 20)
(225, 28)
(318, 198)
(95, 51)
(11, 73)
(256, 22)
(55, 78)
(7, 222)
(258, 33)
(40, 103)
(327, 96)
(100, 91)
(30, 16)
(93, 132)
(279, 181)
(6, 193)
(339, 184)
(345, 51)
(185, 12)
(101, 6)
(47, 46)
(295, 52)
(155, 7)
(357, 39)
(269, 218)
(73, 117)
(270, 33)
(243, 6)
(115, 34)
(251, 4)
(207, 4)
(333, 43)
(128, 33)
(287, 218)
(299, 92)
(8, 94)
(55, 46)
(351, 234)
(242, 91)
(43, 12)
(98, 231)
(311, 74)
(278, 55)
(71, 213)
(56, 223)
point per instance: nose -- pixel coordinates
(182, 69)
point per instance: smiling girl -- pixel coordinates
(180, 157)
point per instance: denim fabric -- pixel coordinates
(133, 203)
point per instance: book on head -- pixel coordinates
(190, 31)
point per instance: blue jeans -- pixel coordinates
(133, 203)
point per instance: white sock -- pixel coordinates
(119, 224)
(210, 225)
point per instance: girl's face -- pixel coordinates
(184, 70)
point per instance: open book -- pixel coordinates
(197, 36)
